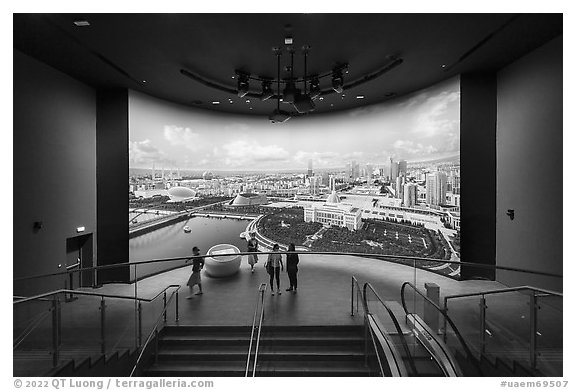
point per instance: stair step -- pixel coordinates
(211, 353)
(312, 368)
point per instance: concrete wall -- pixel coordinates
(54, 169)
(529, 167)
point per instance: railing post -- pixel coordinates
(156, 345)
(445, 310)
(136, 305)
(139, 324)
(533, 329)
(482, 325)
(352, 297)
(177, 314)
(55, 332)
(165, 306)
(103, 325)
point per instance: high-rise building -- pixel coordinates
(332, 183)
(310, 168)
(393, 171)
(410, 194)
(355, 170)
(400, 180)
(314, 185)
(436, 188)
(402, 167)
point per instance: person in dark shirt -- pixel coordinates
(197, 265)
(292, 267)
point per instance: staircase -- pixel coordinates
(198, 351)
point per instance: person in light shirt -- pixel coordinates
(273, 266)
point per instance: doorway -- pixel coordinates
(79, 255)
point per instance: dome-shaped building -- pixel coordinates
(207, 175)
(333, 198)
(248, 199)
(180, 194)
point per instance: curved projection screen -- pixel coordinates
(395, 162)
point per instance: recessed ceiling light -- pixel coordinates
(343, 95)
(321, 98)
(215, 102)
(443, 65)
(231, 101)
(233, 77)
(144, 81)
(250, 107)
(331, 105)
(247, 100)
(81, 23)
(288, 40)
(359, 96)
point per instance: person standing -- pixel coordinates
(197, 265)
(252, 247)
(292, 267)
(273, 266)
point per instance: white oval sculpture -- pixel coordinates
(222, 266)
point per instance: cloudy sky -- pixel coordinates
(421, 126)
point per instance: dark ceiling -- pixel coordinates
(146, 52)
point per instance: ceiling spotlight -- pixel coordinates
(243, 84)
(314, 88)
(267, 92)
(359, 96)
(337, 81)
(288, 40)
(81, 23)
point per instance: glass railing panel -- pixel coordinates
(120, 325)
(32, 338)
(82, 312)
(507, 327)
(549, 336)
(465, 314)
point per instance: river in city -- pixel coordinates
(172, 241)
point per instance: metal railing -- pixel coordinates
(356, 287)
(447, 320)
(56, 327)
(534, 295)
(259, 308)
(162, 318)
(403, 342)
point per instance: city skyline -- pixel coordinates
(418, 127)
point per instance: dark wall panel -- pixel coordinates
(112, 178)
(54, 170)
(478, 164)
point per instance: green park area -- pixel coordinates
(375, 237)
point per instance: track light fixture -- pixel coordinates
(301, 92)
(243, 83)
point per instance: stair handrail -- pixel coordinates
(502, 290)
(367, 286)
(259, 304)
(367, 325)
(535, 294)
(154, 331)
(446, 319)
(55, 293)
